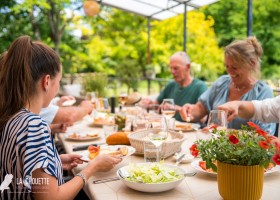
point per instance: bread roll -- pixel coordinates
(118, 138)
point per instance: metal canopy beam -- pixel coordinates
(250, 18)
(156, 9)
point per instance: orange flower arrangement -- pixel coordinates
(248, 146)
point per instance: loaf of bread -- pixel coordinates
(118, 138)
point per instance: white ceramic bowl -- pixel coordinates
(151, 187)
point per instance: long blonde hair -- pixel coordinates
(246, 53)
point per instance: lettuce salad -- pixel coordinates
(152, 173)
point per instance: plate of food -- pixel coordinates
(92, 152)
(200, 165)
(103, 119)
(81, 136)
(185, 127)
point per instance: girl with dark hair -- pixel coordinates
(30, 73)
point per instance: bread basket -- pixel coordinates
(169, 147)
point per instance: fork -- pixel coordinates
(105, 180)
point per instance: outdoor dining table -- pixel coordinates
(199, 187)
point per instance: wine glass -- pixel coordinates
(217, 119)
(157, 130)
(168, 108)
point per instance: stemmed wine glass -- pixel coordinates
(217, 119)
(157, 130)
(168, 109)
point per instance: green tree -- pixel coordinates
(201, 45)
(231, 23)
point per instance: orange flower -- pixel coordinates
(233, 139)
(264, 144)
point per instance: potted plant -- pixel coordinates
(241, 157)
(96, 82)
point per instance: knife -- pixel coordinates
(84, 147)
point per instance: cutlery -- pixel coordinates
(189, 174)
(106, 180)
(178, 160)
(84, 147)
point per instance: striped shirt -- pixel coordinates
(26, 144)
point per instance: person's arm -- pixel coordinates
(193, 112)
(49, 189)
(71, 114)
(243, 109)
(58, 128)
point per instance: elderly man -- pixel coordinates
(184, 88)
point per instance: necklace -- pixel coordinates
(239, 89)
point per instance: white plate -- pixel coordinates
(69, 102)
(272, 170)
(186, 159)
(108, 148)
(195, 165)
(185, 127)
(151, 187)
(81, 136)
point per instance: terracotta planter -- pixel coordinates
(238, 182)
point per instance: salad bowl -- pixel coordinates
(151, 177)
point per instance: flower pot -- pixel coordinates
(236, 182)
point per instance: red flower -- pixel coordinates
(233, 139)
(261, 132)
(276, 159)
(253, 125)
(264, 144)
(194, 150)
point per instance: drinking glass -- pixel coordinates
(102, 105)
(217, 118)
(168, 108)
(157, 130)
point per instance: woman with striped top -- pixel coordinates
(31, 168)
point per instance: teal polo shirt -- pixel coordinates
(182, 95)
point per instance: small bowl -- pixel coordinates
(151, 187)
